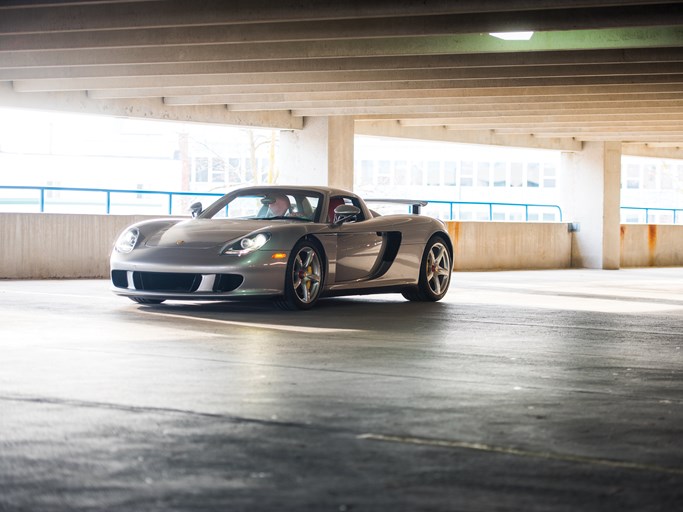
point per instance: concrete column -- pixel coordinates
(320, 154)
(593, 178)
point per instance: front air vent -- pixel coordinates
(119, 278)
(227, 282)
(166, 281)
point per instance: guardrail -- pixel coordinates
(648, 210)
(451, 205)
(41, 199)
(108, 194)
(490, 206)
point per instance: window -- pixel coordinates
(663, 218)
(367, 169)
(433, 173)
(533, 175)
(549, 176)
(633, 176)
(416, 173)
(234, 177)
(218, 170)
(249, 174)
(466, 174)
(500, 175)
(401, 172)
(201, 169)
(449, 174)
(483, 174)
(234, 171)
(650, 177)
(516, 174)
(384, 173)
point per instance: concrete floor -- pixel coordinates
(548, 390)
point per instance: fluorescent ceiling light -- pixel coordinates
(513, 36)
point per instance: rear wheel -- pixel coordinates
(435, 272)
(141, 300)
(304, 277)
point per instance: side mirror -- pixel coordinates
(196, 209)
(344, 213)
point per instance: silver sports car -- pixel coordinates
(292, 244)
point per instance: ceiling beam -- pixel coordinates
(299, 83)
(653, 150)
(146, 109)
(365, 63)
(408, 97)
(17, 17)
(445, 105)
(341, 29)
(637, 37)
(485, 137)
(498, 119)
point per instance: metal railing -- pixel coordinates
(41, 200)
(491, 205)
(451, 205)
(648, 210)
(107, 192)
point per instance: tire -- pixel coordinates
(436, 268)
(141, 300)
(304, 277)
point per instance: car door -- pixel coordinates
(359, 248)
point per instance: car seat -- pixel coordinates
(334, 202)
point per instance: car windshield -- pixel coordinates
(267, 205)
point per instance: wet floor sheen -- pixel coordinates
(547, 390)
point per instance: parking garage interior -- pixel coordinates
(550, 381)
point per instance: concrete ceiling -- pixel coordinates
(593, 70)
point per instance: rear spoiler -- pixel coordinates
(415, 206)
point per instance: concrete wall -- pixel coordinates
(78, 246)
(510, 245)
(47, 245)
(651, 245)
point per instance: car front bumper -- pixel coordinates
(182, 274)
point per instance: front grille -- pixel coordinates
(166, 281)
(174, 281)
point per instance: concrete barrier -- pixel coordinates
(47, 246)
(510, 245)
(651, 245)
(52, 245)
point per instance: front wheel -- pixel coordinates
(304, 277)
(435, 272)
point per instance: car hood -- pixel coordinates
(204, 233)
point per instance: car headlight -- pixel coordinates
(126, 242)
(247, 244)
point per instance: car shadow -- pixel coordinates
(376, 313)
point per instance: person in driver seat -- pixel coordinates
(280, 206)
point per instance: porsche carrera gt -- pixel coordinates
(292, 244)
